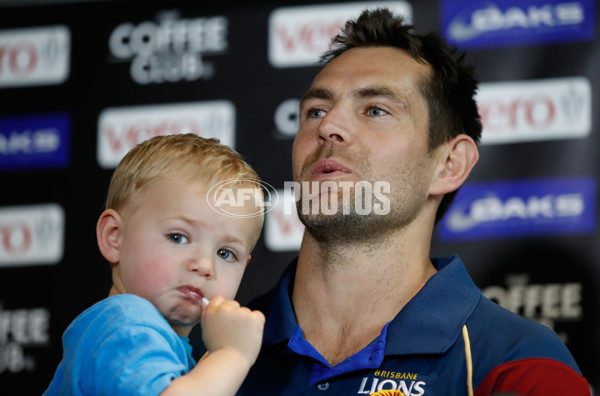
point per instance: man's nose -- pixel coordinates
(334, 128)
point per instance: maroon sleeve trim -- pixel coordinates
(533, 377)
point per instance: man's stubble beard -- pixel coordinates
(341, 227)
(350, 226)
(346, 225)
(407, 197)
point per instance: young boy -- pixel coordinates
(169, 250)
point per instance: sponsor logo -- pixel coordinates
(521, 208)
(299, 35)
(21, 329)
(287, 119)
(224, 197)
(385, 382)
(31, 235)
(491, 23)
(36, 141)
(34, 56)
(170, 49)
(523, 111)
(547, 303)
(389, 392)
(283, 229)
(120, 129)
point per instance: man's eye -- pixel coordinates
(177, 238)
(376, 112)
(316, 113)
(226, 255)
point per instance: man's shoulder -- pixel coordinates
(499, 335)
(499, 321)
(516, 353)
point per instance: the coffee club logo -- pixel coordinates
(171, 49)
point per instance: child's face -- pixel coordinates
(175, 249)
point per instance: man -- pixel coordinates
(365, 309)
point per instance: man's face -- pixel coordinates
(365, 119)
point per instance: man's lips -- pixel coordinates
(328, 167)
(191, 292)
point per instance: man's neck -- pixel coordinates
(344, 295)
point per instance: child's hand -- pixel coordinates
(227, 325)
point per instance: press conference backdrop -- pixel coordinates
(81, 83)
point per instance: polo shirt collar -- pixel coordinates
(430, 322)
(433, 319)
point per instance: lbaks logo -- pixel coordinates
(492, 23)
(34, 56)
(521, 208)
(34, 142)
(120, 129)
(299, 35)
(171, 49)
(31, 235)
(521, 111)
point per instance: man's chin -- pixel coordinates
(338, 226)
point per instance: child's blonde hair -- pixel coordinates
(186, 157)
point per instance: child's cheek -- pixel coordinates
(153, 276)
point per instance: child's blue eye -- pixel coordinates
(226, 254)
(177, 238)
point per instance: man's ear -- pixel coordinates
(456, 160)
(108, 233)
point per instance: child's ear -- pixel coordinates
(457, 158)
(248, 261)
(108, 234)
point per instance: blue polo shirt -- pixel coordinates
(421, 351)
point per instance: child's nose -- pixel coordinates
(203, 266)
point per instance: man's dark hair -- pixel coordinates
(449, 93)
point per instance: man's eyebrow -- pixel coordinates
(317, 93)
(372, 92)
(360, 93)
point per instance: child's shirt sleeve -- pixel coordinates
(120, 346)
